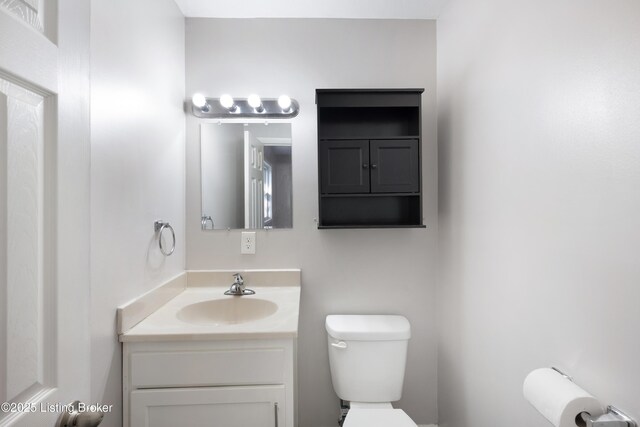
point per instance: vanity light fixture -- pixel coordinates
(199, 101)
(256, 103)
(284, 102)
(227, 102)
(227, 107)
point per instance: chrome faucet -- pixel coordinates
(238, 287)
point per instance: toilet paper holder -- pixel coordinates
(612, 418)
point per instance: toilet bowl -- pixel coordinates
(367, 357)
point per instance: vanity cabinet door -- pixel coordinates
(219, 406)
(344, 166)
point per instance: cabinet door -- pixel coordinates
(344, 166)
(260, 406)
(395, 166)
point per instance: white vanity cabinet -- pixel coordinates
(222, 383)
(193, 356)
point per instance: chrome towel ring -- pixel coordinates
(159, 226)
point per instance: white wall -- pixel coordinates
(346, 271)
(539, 199)
(137, 166)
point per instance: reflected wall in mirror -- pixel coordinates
(246, 176)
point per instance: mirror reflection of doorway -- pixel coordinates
(246, 176)
(268, 193)
(278, 157)
(253, 181)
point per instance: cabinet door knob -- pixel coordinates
(364, 166)
(373, 166)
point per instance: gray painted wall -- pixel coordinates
(349, 271)
(137, 168)
(539, 200)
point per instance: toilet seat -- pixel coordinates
(378, 418)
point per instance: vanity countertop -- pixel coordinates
(277, 308)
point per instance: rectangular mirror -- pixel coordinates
(246, 176)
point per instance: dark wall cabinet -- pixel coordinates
(369, 158)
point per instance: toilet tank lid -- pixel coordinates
(368, 327)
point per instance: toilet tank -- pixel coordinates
(367, 356)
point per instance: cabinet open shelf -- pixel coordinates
(381, 122)
(343, 227)
(371, 137)
(369, 151)
(372, 195)
(381, 211)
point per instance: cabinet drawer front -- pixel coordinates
(207, 368)
(222, 406)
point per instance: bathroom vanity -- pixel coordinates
(203, 358)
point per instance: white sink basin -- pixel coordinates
(227, 311)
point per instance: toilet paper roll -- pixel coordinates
(558, 399)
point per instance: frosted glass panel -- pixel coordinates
(22, 266)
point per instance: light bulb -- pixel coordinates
(255, 102)
(284, 102)
(226, 101)
(199, 100)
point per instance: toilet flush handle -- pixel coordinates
(339, 344)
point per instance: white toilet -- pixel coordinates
(367, 356)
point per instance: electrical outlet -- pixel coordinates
(248, 242)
